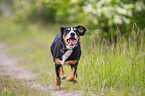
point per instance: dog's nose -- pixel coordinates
(72, 34)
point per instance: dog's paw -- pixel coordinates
(61, 62)
(63, 77)
(74, 81)
(58, 87)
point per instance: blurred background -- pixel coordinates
(113, 48)
(101, 17)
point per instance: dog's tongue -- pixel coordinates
(73, 41)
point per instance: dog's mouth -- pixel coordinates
(72, 41)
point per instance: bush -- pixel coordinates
(102, 17)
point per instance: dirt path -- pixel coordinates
(9, 67)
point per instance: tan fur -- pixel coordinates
(73, 62)
(62, 71)
(57, 81)
(71, 77)
(58, 61)
(64, 38)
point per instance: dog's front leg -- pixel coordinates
(72, 77)
(60, 63)
(63, 76)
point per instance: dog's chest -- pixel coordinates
(66, 54)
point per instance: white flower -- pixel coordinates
(99, 11)
(88, 8)
(127, 21)
(129, 13)
(139, 8)
(129, 6)
(117, 19)
(95, 21)
(74, 0)
(108, 11)
(121, 11)
(139, 5)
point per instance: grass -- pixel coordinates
(10, 86)
(104, 69)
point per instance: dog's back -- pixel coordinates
(55, 46)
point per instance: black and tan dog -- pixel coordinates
(66, 50)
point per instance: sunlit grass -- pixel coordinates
(104, 68)
(114, 67)
(10, 86)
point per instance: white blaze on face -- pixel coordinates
(72, 31)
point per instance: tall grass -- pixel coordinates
(116, 65)
(115, 68)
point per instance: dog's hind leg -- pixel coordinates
(57, 77)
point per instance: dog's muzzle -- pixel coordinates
(72, 40)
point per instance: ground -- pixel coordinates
(10, 67)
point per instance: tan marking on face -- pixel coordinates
(68, 28)
(78, 37)
(75, 28)
(65, 38)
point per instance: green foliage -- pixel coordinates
(100, 16)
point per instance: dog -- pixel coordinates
(66, 50)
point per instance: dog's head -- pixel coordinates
(71, 35)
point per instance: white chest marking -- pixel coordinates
(65, 56)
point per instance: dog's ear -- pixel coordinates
(81, 30)
(62, 31)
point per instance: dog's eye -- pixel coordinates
(67, 31)
(76, 31)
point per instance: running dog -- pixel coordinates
(66, 50)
